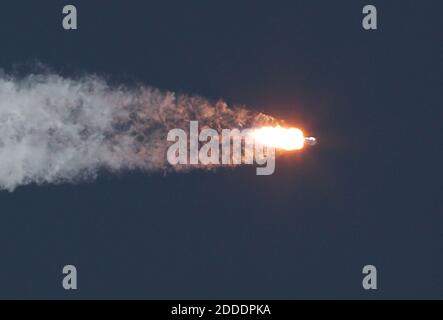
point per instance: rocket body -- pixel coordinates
(310, 141)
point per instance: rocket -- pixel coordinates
(310, 141)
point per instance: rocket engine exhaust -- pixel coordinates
(283, 138)
(57, 130)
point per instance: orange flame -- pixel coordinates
(280, 138)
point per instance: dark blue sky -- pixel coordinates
(369, 193)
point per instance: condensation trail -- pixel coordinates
(55, 129)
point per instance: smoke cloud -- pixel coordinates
(57, 130)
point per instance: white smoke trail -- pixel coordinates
(56, 130)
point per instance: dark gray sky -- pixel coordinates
(369, 193)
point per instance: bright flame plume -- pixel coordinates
(280, 138)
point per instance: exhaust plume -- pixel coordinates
(56, 130)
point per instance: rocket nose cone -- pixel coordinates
(311, 141)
